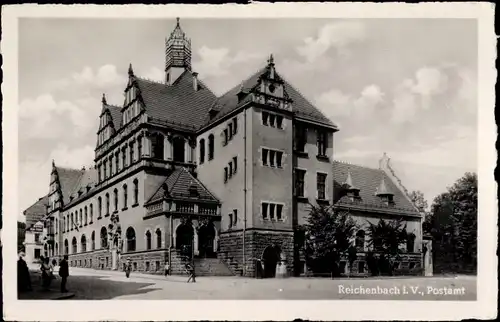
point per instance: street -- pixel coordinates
(104, 285)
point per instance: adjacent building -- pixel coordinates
(181, 172)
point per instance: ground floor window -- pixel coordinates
(147, 266)
(135, 266)
(37, 253)
(361, 267)
(157, 265)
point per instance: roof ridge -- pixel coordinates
(357, 165)
(67, 168)
(204, 187)
(261, 70)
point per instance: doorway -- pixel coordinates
(270, 258)
(206, 235)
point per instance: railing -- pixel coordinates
(266, 99)
(184, 207)
(207, 210)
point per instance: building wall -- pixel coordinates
(129, 217)
(211, 172)
(313, 165)
(31, 246)
(270, 184)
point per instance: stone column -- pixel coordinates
(195, 243)
(187, 151)
(146, 144)
(168, 148)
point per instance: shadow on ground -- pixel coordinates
(89, 287)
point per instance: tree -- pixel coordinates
(386, 237)
(418, 199)
(453, 226)
(329, 236)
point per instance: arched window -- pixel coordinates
(99, 207)
(136, 192)
(157, 146)
(158, 238)
(148, 240)
(211, 145)
(104, 238)
(92, 239)
(115, 193)
(57, 249)
(202, 151)
(91, 213)
(360, 240)
(179, 144)
(107, 204)
(86, 217)
(130, 239)
(81, 217)
(56, 226)
(67, 222)
(125, 196)
(73, 244)
(72, 221)
(66, 247)
(83, 243)
(64, 224)
(139, 148)
(410, 243)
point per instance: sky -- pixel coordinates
(407, 87)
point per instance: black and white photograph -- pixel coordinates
(205, 155)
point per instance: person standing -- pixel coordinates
(64, 273)
(23, 274)
(46, 274)
(167, 268)
(191, 272)
(128, 268)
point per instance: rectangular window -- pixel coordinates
(321, 185)
(124, 157)
(235, 216)
(265, 117)
(264, 210)
(147, 266)
(272, 155)
(230, 131)
(131, 153)
(230, 220)
(300, 138)
(279, 211)
(272, 119)
(225, 137)
(117, 161)
(322, 143)
(264, 156)
(230, 164)
(299, 182)
(271, 211)
(37, 238)
(279, 121)
(235, 164)
(235, 125)
(225, 174)
(279, 158)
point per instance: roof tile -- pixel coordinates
(367, 180)
(36, 211)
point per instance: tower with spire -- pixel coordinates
(384, 193)
(350, 188)
(177, 54)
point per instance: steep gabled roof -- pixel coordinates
(36, 211)
(178, 104)
(178, 184)
(88, 178)
(68, 179)
(368, 181)
(300, 105)
(116, 116)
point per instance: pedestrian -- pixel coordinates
(191, 272)
(167, 268)
(46, 274)
(128, 268)
(23, 274)
(64, 273)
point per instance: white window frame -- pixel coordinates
(275, 205)
(283, 157)
(326, 186)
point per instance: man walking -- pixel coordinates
(64, 273)
(128, 268)
(190, 270)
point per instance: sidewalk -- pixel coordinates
(39, 294)
(99, 272)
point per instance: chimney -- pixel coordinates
(195, 81)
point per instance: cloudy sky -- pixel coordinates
(401, 86)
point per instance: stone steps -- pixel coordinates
(211, 267)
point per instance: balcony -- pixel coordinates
(273, 101)
(182, 207)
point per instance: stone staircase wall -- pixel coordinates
(211, 267)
